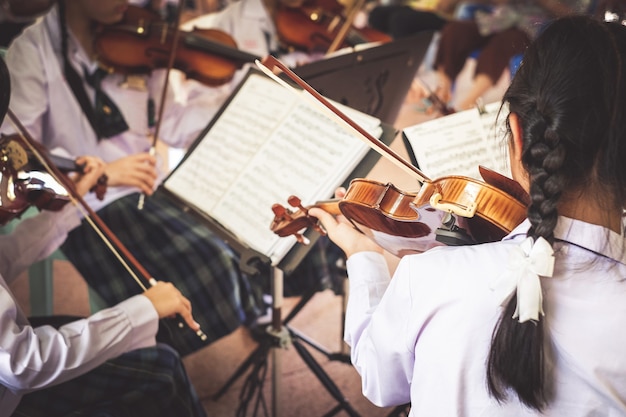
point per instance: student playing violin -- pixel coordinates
(65, 100)
(106, 364)
(533, 324)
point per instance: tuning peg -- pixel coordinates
(296, 202)
(281, 213)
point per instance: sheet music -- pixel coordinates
(268, 144)
(457, 144)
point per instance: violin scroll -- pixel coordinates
(288, 222)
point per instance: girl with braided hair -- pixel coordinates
(533, 324)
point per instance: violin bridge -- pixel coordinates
(467, 211)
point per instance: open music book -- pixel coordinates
(267, 143)
(458, 143)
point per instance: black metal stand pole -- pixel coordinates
(274, 338)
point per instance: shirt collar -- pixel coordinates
(51, 20)
(254, 9)
(594, 238)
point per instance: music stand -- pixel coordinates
(185, 188)
(374, 80)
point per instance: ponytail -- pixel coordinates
(566, 94)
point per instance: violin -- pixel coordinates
(14, 156)
(380, 211)
(485, 210)
(24, 181)
(404, 223)
(142, 42)
(437, 103)
(314, 25)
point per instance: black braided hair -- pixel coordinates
(568, 94)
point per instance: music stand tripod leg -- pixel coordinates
(273, 338)
(254, 358)
(325, 379)
(276, 337)
(298, 340)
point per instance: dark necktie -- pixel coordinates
(108, 120)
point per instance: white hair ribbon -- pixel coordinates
(526, 262)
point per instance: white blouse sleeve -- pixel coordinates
(33, 358)
(376, 328)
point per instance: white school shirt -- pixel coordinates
(47, 107)
(423, 336)
(35, 358)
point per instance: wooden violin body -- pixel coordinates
(142, 42)
(491, 209)
(314, 25)
(385, 214)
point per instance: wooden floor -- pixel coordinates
(296, 389)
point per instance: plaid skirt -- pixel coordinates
(172, 246)
(145, 382)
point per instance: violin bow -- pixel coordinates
(347, 24)
(170, 65)
(102, 230)
(271, 63)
